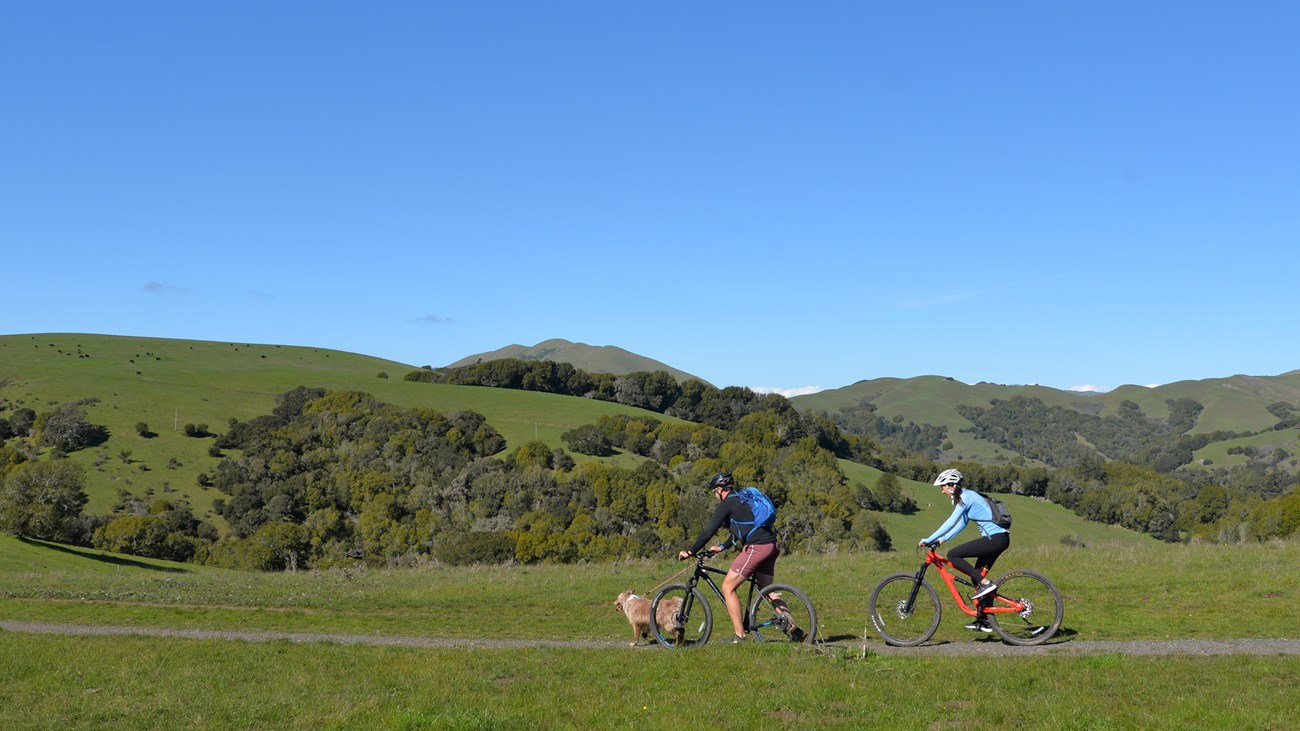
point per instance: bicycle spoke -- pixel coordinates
(903, 613)
(680, 618)
(1039, 604)
(783, 613)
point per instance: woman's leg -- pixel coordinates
(984, 549)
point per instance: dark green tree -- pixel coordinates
(67, 429)
(44, 499)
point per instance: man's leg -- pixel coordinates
(730, 585)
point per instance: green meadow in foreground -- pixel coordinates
(141, 683)
(1111, 592)
(1157, 592)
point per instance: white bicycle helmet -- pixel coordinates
(947, 477)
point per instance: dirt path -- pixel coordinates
(975, 648)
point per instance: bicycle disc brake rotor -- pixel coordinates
(1028, 610)
(902, 611)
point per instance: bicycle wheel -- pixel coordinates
(902, 619)
(783, 613)
(680, 617)
(1039, 608)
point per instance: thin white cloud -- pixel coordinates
(959, 296)
(160, 288)
(788, 392)
(949, 299)
(432, 320)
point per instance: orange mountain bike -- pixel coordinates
(1026, 609)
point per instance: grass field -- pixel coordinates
(1113, 592)
(137, 683)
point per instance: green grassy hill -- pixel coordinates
(170, 383)
(1216, 454)
(590, 358)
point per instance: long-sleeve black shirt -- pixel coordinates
(732, 508)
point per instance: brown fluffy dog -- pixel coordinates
(637, 609)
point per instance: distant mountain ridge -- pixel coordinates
(1239, 404)
(590, 358)
(1236, 403)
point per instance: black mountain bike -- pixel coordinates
(778, 612)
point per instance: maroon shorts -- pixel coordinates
(757, 559)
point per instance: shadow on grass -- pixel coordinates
(94, 555)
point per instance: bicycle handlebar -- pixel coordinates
(704, 555)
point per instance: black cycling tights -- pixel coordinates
(984, 549)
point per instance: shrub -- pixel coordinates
(588, 439)
(475, 547)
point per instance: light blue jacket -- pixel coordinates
(971, 506)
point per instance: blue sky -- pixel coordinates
(773, 195)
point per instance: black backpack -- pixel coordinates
(1001, 516)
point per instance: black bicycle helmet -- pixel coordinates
(722, 480)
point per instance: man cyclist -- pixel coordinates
(757, 557)
(969, 505)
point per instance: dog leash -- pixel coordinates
(670, 578)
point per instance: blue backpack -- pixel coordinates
(762, 508)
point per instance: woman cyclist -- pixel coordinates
(969, 505)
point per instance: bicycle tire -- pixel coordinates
(897, 624)
(1042, 616)
(796, 622)
(692, 619)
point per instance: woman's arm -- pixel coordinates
(951, 527)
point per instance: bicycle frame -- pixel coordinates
(997, 604)
(703, 570)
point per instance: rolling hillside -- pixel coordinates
(168, 384)
(590, 358)
(1239, 403)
